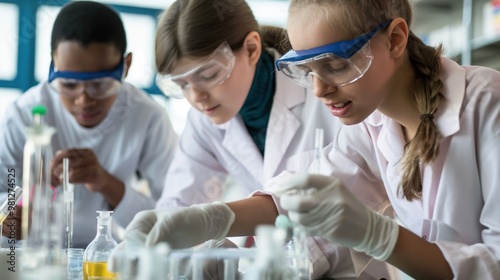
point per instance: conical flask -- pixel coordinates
(41, 219)
(95, 257)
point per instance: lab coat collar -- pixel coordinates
(283, 124)
(446, 118)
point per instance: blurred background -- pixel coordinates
(468, 29)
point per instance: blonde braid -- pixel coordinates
(423, 149)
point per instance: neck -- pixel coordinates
(400, 102)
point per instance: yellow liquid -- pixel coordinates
(97, 271)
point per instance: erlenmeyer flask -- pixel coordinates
(95, 257)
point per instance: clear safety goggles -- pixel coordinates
(336, 64)
(97, 85)
(203, 76)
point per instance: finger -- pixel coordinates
(136, 232)
(79, 175)
(74, 155)
(57, 158)
(298, 202)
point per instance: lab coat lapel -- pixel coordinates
(283, 124)
(238, 142)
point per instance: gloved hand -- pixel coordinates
(325, 207)
(180, 227)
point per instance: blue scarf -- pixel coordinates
(257, 107)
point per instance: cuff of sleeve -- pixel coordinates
(469, 261)
(276, 200)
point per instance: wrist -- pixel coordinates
(219, 219)
(112, 189)
(380, 237)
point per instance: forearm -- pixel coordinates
(251, 212)
(419, 258)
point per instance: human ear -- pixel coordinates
(252, 47)
(398, 32)
(128, 62)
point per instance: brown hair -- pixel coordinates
(363, 15)
(197, 27)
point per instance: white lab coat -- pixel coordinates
(459, 210)
(135, 136)
(208, 153)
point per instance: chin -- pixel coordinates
(219, 121)
(351, 120)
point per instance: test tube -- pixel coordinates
(8, 204)
(4, 210)
(68, 201)
(318, 146)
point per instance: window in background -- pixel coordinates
(140, 30)
(45, 17)
(9, 38)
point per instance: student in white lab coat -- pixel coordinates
(247, 120)
(418, 124)
(109, 129)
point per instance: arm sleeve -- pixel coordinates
(157, 154)
(196, 174)
(482, 260)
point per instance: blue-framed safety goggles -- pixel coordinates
(337, 64)
(97, 85)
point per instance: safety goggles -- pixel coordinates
(336, 64)
(97, 85)
(203, 76)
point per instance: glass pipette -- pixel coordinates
(68, 202)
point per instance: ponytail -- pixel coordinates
(276, 38)
(423, 149)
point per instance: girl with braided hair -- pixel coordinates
(417, 123)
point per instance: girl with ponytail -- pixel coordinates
(417, 123)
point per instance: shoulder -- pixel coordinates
(36, 95)
(482, 88)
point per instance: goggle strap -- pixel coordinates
(116, 74)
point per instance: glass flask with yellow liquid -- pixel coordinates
(95, 257)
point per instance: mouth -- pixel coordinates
(210, 110)
(87, 116)
(339, 109)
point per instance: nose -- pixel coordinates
(320, 88)
(85, 100)
(197, 95)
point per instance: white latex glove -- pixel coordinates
(180, 227)
(325, 207)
